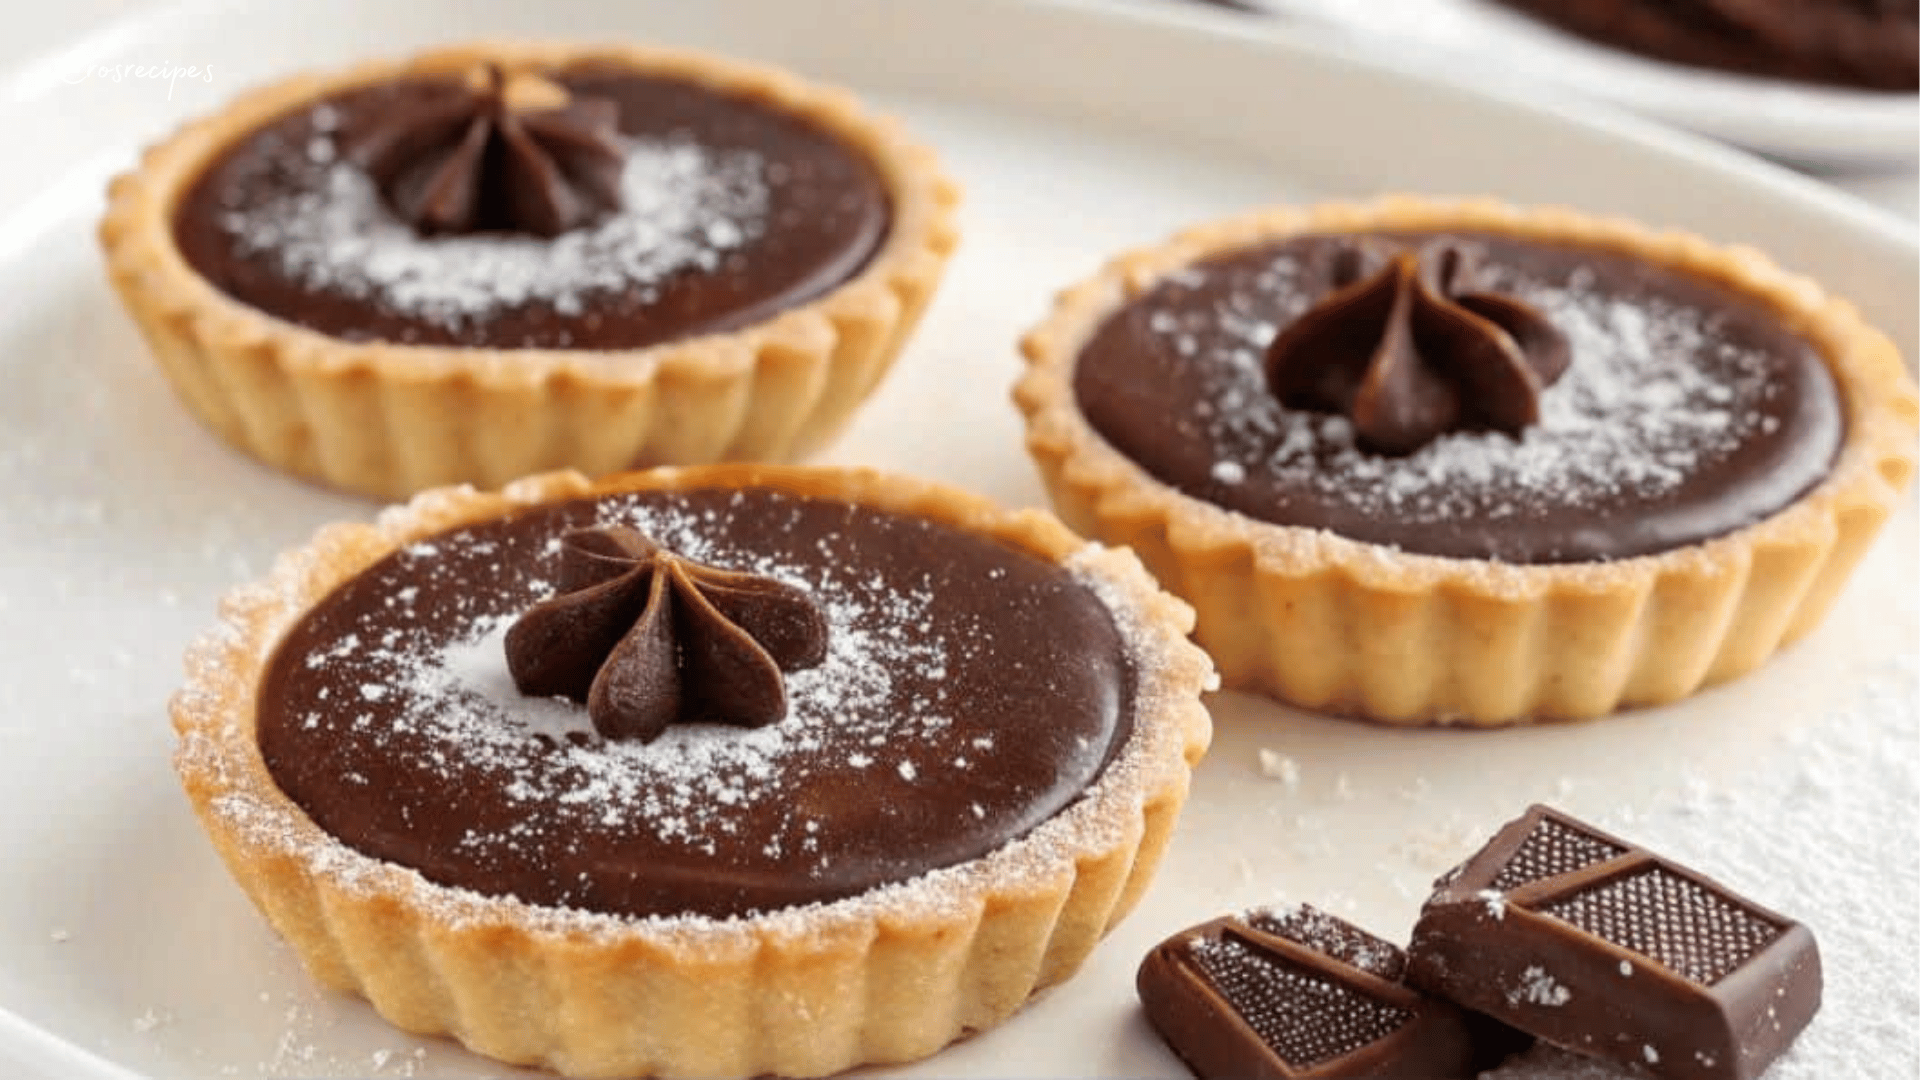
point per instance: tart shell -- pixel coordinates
(387, 420)
(1342, 626)
(887, 976)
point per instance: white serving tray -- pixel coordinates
(1080, 128)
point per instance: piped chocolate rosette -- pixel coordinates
(1468, 463)
(644, 637)
(518, 155)
(1408, 347)
(823, 767)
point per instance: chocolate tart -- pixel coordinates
(1690, 494)
(956, 806)
(651, 257)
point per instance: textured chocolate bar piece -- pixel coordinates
(1293, 992)
(1602, 947)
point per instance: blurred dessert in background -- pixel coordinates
(1867, 44)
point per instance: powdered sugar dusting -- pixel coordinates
(1332, 937)
(684, 207)
(687, 786)
(1538, 987)
(1625, 418)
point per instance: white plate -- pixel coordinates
(1800, 121)
(1080, 130)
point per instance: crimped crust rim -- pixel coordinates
(1874, 463)
(137, 231)
(221, 767)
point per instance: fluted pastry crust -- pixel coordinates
(887, 976)
(388, 420)
(1334, 624)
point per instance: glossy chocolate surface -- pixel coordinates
(1687, 411)
(970, 692)
(732, 210)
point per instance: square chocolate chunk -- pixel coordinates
(1602, 947)
(1293, 992)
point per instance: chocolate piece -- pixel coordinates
(517, 156)
(388, 714)
(1870, 44)
(1297, 993)
(645, 638)
(1596, 945)
(1407, 347)
(732, 210)
(1690, 411)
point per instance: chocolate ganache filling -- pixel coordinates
(1687, 410)
(729, 210)
(938, 726)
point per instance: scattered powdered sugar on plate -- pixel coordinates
(1623, 418)
(684, 207)
(1817, 838)
(1811, 821)
(306, 1044)
(1280, 767)
(1552, 1063)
